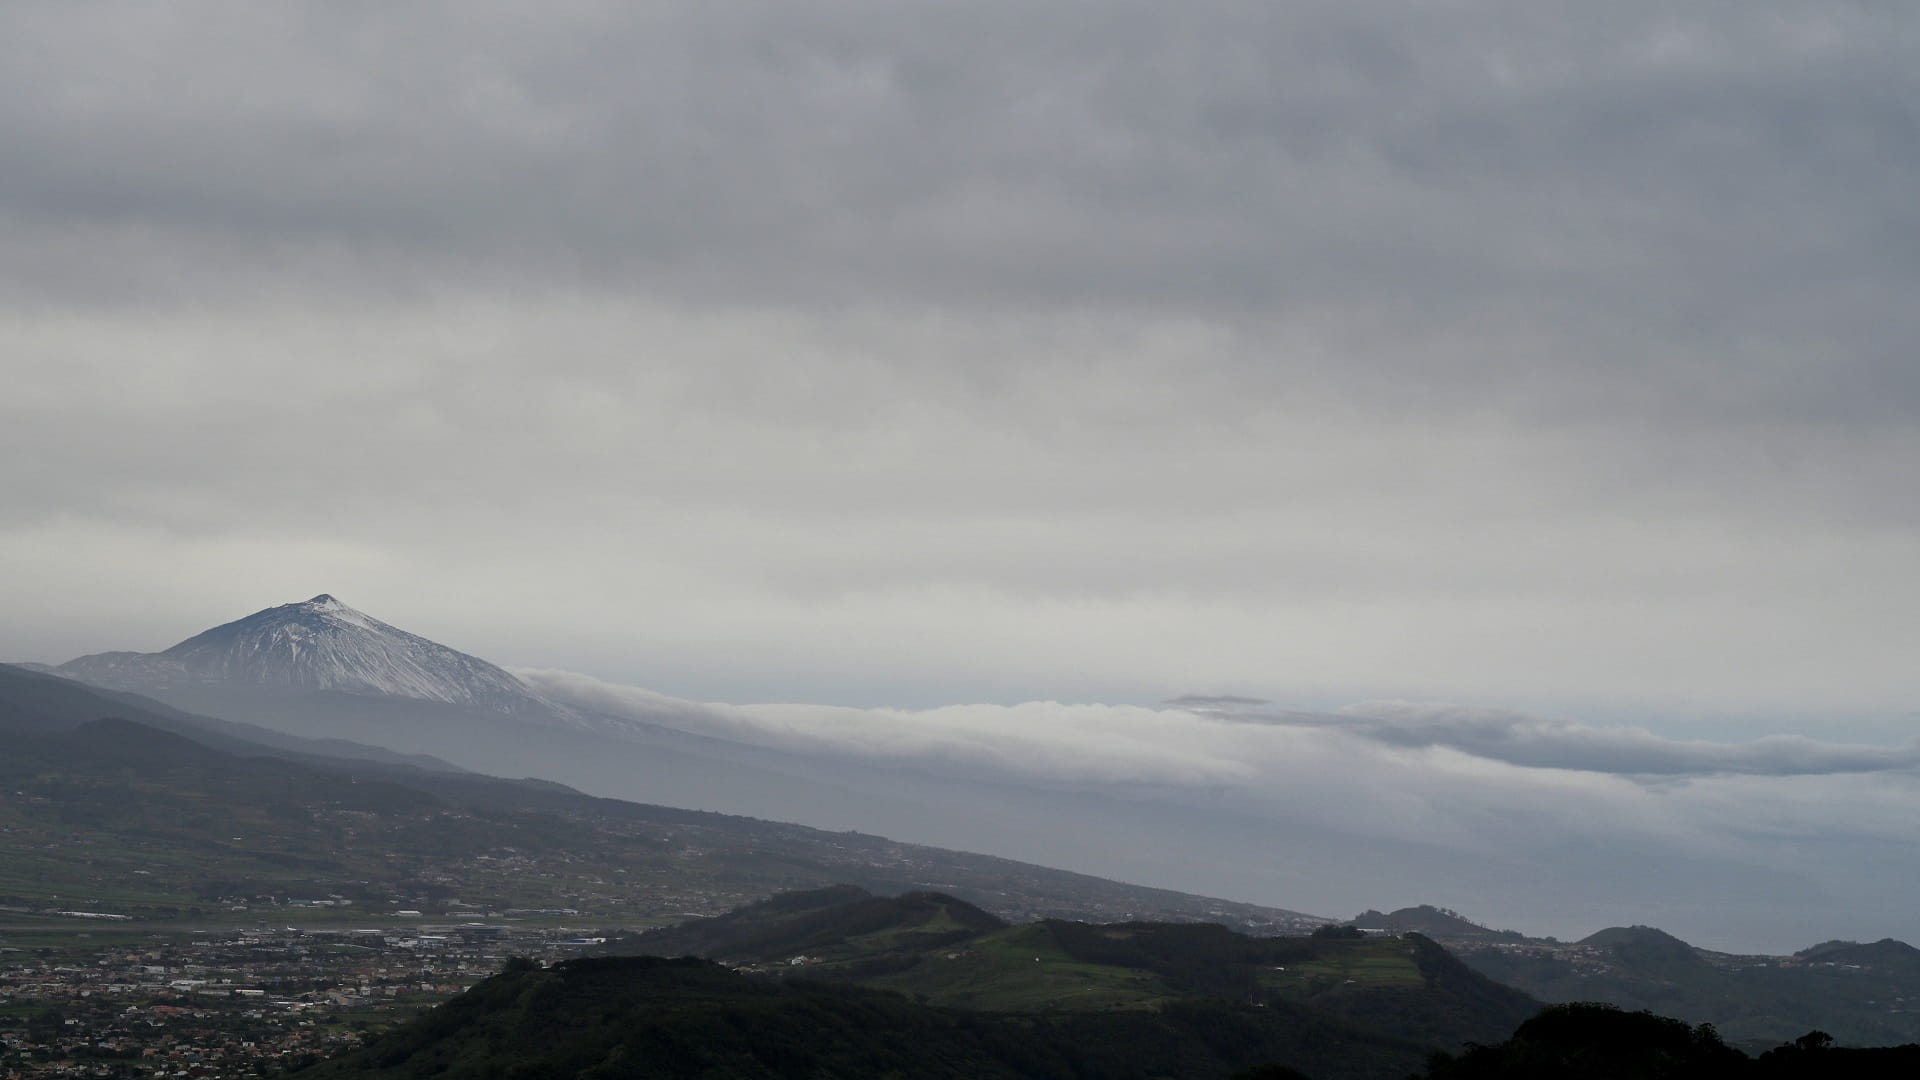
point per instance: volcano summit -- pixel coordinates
(319, 644)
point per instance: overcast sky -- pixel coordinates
(1542, 356)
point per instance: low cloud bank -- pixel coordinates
(1447, 774)
(1618, 812)
(1041, 740)
(1544, 742)
(1215, 739)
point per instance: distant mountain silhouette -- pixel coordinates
(231, 809)
(1856, 992)
(1434, 922)
(1885, 953)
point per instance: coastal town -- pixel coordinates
(240, 1002)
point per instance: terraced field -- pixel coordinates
(1373, 963)
(938, 950)
(1023, 969)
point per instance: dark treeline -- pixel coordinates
(611, 1018)
(1590, 1041)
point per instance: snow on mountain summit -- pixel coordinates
(319, 644)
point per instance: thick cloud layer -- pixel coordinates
(1537, 355)
(1218, 154)
(1544, 742)
(1651, 829)
(1201, 740)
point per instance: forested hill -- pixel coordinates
(943, 951)
(632, 1017)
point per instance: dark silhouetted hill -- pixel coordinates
(639, 1017)
(946, 952)
(1437, 923)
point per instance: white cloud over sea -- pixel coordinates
(1492, 784)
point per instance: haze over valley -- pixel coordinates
(1549, 825)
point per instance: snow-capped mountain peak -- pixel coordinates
(318, 644)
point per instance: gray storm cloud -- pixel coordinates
(925, 352)
(1308, 158)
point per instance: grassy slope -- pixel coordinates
(1021, 969)
(941, 951)
(644, 1017)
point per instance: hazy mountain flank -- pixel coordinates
(1862, 994)
(320, 669)
(131, 808)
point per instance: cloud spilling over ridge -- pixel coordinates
(1050, 740)
(1217, 739)
(1175, 756)
(1545, 742)
(1497, 785)
(1522, 798)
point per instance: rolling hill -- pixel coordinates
(1862, 994)
(943, 951)
(639, 1017)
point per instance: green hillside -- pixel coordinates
(634, 1017)
(1885, 955)
(640, 1017)
(1435, 922)
(942, 951)
(840, 922)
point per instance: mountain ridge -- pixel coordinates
(1434, 922)
(606, 1017)
(1858, 993)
